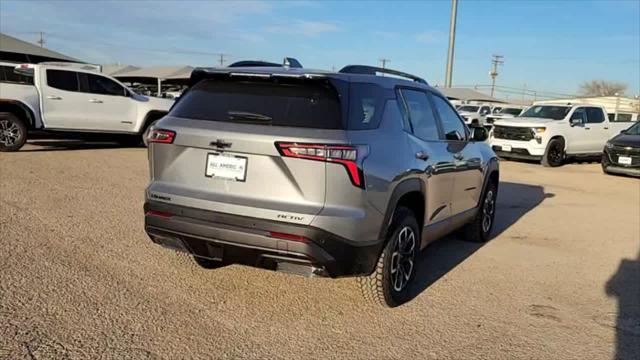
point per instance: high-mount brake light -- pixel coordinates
(344, 155)
(161, 136)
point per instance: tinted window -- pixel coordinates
(451, 123)
(298, 104)
(394, 113)
(63, 80)
(103, 86)
(468, 108)
(7, 75)
(485, 110)
(579, 113)
(421, 116)
(365, 106)
(595, 115)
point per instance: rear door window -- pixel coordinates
(63, 80)
(294, 104)
(595, 115)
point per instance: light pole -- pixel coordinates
(452, 40)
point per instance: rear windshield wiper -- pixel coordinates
(248, 116)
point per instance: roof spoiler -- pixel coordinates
(373, 70)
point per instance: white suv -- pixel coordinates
(58, 97)
(474, 114)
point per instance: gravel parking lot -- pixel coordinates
(80, 279)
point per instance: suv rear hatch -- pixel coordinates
(255, 147)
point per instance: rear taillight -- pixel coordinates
(344, 155)
(161, 136)
(160, 214)
(285, 236)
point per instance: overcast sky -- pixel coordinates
(547, 45)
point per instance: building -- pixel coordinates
(18, 51)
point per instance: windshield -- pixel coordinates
(510, 111)
(634, 129)
(547, 112)
(468, 108)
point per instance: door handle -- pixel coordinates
(53, 97)
(422, 155)
(95, 101)
(458, 156)
(606, 128)
(587, 128)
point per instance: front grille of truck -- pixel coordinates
(490, 120)
(512, 133)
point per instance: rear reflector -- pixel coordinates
(344, 155)
(284, 236)
(160, 214)
(161, 136)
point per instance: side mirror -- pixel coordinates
(575, 121)
(479, 133)
(453, 135)
(624, 131)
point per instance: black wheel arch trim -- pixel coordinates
(30, 116)
(403, 188)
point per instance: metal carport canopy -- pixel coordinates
(468, 95)
(17, 47)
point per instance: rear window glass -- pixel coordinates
(295, 104)
(7, 75)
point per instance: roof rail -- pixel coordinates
(288, 62)
(373, 70)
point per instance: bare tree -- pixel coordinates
(602, 88)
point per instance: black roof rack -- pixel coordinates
(373, 70)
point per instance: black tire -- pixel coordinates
(479, 230)
(389, 285)
(13, 132)
(554, 154)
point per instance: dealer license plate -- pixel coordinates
(506, 148)
(229, 167)
(624, 160)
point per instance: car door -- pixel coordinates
(63, 105)
(109, 105)
(577, 134)
(597, 130)
(467, 179)
(431, 155)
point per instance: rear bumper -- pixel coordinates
(249, 241)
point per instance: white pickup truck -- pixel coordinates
(474, 114)
(550, 133)
(71, 98)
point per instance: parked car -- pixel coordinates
(317, 173)
(474, 114)
(550, 133)
(71, 98)
(503, 113)
(621, 154)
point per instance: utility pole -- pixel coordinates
(497, 60)
(41, 41)
(524, 89)
(384, 62)
(222, 59)
(452, 41)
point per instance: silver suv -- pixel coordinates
(317, 173)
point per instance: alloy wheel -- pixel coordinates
(402, 258)
(488, 209)
(9, 132)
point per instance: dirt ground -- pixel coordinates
(80, 279)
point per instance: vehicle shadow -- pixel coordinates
(54, 142)
(625, 286)
(514, 201)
